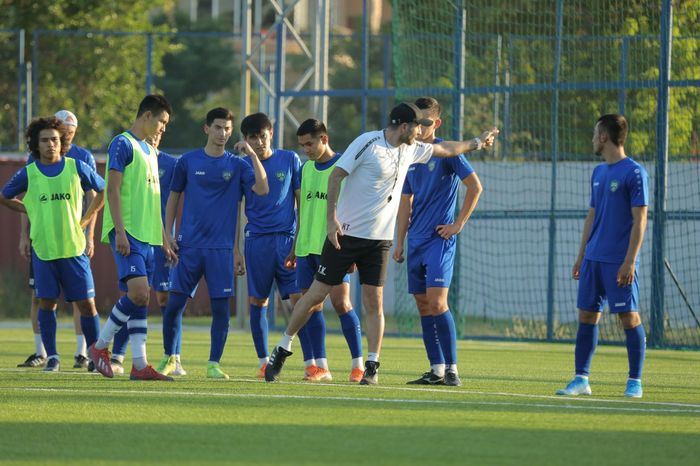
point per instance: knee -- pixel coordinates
(86, 307)
(341, 305)
(260, 302)
(139, 297)
(162, 298)
(436, 307)
(630, 320)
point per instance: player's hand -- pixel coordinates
(290, 262)
(625, 275)
(85, 221)
(335, 231)
(576, 270)
(398, 253)
(89, 247)
(122, 243)
(170, 254)
(243, 147)
(448, 231)
(238, 263)
(487, 137)
(25, 247)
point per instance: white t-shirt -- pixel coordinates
(369, 199)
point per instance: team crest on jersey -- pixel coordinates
(280, 175)
(431, 165)
(227, 175)
(614, 184)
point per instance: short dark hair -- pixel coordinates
(615, 126)
(255, 124)
(39, 124)
(313, 127)
(220, 113)
(430, 106)
(155, 103)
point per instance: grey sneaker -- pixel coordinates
(452, 379)
(428, 378)
(370, 376)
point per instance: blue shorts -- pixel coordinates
(264, 258)
(430, 263)
(597, 285)
(160, 281)
(216, 265)
(72, 274)
(306, 269)
(139, 262)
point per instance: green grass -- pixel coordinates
(504, 413)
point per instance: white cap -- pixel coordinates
(67, 117)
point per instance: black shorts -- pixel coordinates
(370, 255)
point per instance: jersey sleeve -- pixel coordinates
(638, 186)
(17, 184)
(120, 154)
(422, 152)
(179, 180)
(407, 188)
(353, 155)
(89, 178)
(591, 203)
(247, 176)
(296, 172)
(90, 160)
(460, 166)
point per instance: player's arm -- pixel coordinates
(587, 226)
(471, 198)
(333, 227)
(90, 216)
(170, 214)
(238, 259)
(290, 261)
(454, 148)
(402, 221)
(625, 276)
(25, 243)
(114, 197)
(14, 204)
(261, 187)
(90, 227)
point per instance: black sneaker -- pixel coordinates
(52, 365)
(274, 365)
(428, 378)
(81, 362)
(91, 366)
(34, 360)
(452, 379)
(370, 377)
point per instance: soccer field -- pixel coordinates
(505, 413)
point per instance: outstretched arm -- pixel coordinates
(454, 148)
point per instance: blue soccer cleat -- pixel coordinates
(634, 388)
(578, 386)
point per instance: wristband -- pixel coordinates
(479, 144)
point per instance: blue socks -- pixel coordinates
(307, 348)
(172, 321)
(430, 340)
(121, 339)
(447, 336)
(221, 314)
(47, 326)
(636, 346)
(91, 328)
(350, 324)
(586, 342)
(316, 326)
(258, 328)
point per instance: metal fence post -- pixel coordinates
(149, 63)
(658, 236)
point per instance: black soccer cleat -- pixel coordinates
(370, 376)
(81, 362)
(52, 365)
(428, 378)
(34, 360)
(274, 365)
(452, 379)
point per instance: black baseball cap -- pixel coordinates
(408, 113)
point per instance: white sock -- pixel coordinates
(373, 357)
(177, 357)
(140, 363)
(109, 329)
(584, 377)
(138, 350)
(286, 341)
(357, 363)
(438, 369)
(322, 363)
(452, 367)
(309, 362)
(55, 356)
(80, 348)
(118, 357)
(39, 346)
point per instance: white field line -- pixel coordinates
(178, 393)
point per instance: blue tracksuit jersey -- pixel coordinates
(615, 189)
(213, 188)
(275, 212)
(166, 166)
(434, 186)
(89, 179)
